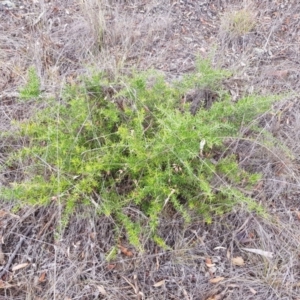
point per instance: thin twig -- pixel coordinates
(10, 260)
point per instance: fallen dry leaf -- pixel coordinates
(159, 283)
(20, 266)
(210, 265)
(238, 261)
(42, 277)
(102, 290)
(125, 251)
(209, 262)
(260, 252)
(228, 254)
(219, 248)
(110, 267)
(216, 280)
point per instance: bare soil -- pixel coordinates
(205, 261)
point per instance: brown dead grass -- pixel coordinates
(62, 40)
(238, 23)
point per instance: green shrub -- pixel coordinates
(143, 152)
(32, 88)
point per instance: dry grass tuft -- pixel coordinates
(238, 23)
(94, 13)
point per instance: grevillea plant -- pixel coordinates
(131, 143)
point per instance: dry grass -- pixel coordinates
(238, 23)
(62, 40)
(76, 267)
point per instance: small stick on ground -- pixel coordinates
(10, 260)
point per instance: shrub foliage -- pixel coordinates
(134, 144)
(32, 88)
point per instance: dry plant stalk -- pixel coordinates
(94, 12)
